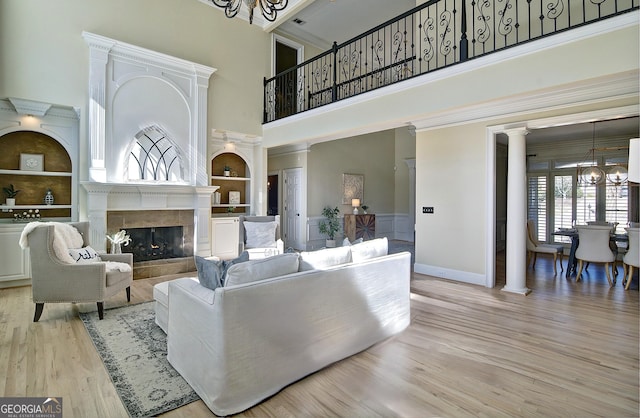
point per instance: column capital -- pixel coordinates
(520, 131)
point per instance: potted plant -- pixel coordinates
(227, 171)
(330, 225)
(364, 208)
(11, 194)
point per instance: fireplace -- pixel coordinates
(162, 240)
(156, 243)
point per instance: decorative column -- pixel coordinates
(516, 213)
(99, 49)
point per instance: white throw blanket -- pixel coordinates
(66, 236)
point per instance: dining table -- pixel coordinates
(572, 263)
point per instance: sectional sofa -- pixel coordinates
(282, 318)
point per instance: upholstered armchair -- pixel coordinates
(55, 279)
(260, 236)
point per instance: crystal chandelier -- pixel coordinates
(269, 8)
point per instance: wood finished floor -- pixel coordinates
(566, 350)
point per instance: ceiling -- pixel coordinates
(326, 21)
(612, 128)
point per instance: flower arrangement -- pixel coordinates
(120, 238)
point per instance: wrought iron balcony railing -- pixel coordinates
(432, 36)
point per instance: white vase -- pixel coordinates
(116, 248)
(330, 243)
(227, 173)
(11, 201)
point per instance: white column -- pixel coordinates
(98, 58)
(516, 213)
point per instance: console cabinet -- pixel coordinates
(360, 226)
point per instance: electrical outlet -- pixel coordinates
(427, 209)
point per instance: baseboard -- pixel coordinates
(456, 275)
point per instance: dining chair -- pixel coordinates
(615, 247)
(632, 257)
(534, 247)
(594, 248)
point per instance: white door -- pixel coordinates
(293, 219)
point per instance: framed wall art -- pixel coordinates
(32, 162)
(234, 198)
(353, 188)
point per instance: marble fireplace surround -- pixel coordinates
(127, 219)
(132, 89)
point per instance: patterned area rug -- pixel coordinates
(134, 351)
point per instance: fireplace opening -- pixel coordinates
(156, 243)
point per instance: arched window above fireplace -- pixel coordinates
(154, 156)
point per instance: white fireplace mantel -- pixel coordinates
(104, 197)
(132, 89)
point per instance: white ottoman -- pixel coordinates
(161, 296)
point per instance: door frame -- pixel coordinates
(288, 42)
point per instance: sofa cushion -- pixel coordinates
(369, 249)
(84, 255)
(212, 271)
(260, 234)
(266, 268)
(327, 257)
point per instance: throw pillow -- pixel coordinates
(321, 259)
(260, 234)
(212, 271)
(369, 249)
(84, 255)
(265, 268)
(346, 242)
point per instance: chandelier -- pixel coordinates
(589, 173)
(269, 8)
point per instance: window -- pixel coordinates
(571, 203)
(537, 206)
(563, 204)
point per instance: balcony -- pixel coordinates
(433, 36)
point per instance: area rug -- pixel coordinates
(134, 351)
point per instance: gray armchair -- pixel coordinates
(276, 246)
(56, 281)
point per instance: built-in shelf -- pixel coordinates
(230, 178)
(36, 173)
(228, 205)
(6, 208)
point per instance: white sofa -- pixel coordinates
(239, 344)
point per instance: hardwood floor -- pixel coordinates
(566, 349)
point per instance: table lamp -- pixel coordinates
(355, 203)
